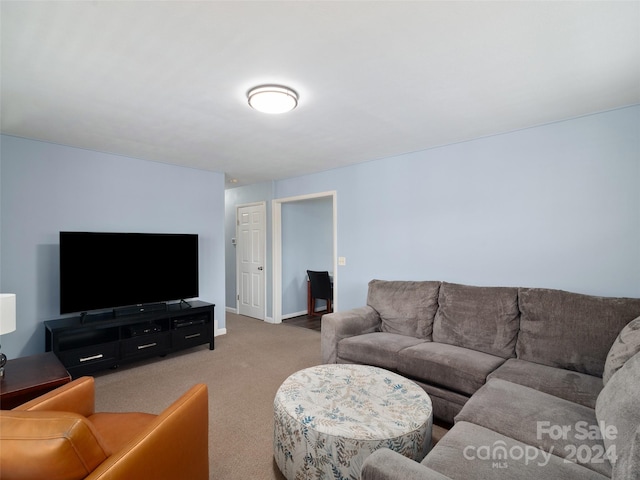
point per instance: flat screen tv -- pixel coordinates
(110, 270)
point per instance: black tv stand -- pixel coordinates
(109, 339)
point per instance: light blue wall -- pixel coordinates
(46, 188)
(307, 244)
(554, 206)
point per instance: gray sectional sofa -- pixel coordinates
(519, 370)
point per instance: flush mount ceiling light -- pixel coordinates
(272, 99)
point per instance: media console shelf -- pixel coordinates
(106, 341)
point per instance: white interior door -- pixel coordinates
(251, 260)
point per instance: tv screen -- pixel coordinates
(109, 270)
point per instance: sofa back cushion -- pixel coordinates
(485, 319)
(405, 307)
(571, 330)
(51, 445)
(619, 416)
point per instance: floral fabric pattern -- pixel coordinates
(329, 418)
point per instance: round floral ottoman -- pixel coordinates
(329, 418)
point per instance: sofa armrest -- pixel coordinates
(339, 325)
(385, 464)
(174, 445)
(77, 397)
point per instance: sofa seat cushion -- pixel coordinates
(570, 330)
(553, 424)
(472, 451)
(626, 345)
(116, 429)
(628, 462)
(570, 385)
(379, 349)
(405, 307)
(51, 445)
(446, 403)
(485, 319)
(460, 369)
(618, 411)
(385, 464)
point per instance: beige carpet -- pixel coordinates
(243, 374)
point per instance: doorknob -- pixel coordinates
(259, 268)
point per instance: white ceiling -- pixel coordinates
(167, 81)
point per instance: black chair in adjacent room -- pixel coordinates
(320, 287)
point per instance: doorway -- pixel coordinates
(251, 260)
(277, 248)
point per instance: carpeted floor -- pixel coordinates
(243, 374)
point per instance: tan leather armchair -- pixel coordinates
(58, 436)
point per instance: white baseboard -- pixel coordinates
(231, 310)
(220, 331)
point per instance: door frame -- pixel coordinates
(276, 256)
(262, 204)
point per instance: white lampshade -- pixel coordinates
(7, 313)
(272, 99)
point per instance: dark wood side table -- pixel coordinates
(29, 377)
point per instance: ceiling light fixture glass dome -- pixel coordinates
(272, 99)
